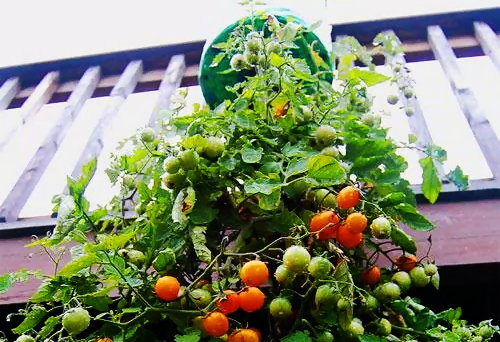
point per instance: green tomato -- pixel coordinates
(326, 296)
(133, 256)
(343, 304)
(238, 62)
(371, 303)
(215, 147)
(486, 331)
(172, 164)
(325, 198)
(320, 268)
(296, 259)
(392, 99)
(325, 135)
(403, 280)
(283, 276)
(409, 111)
(384, 327)
(25, 338)
(372, 120)
(430, 269)
(189, 159)
(325, 337)
(331, 151)
(356, 328)
(254, 45)
(148, 135)
(408, 92)
(273, 47)
(252, 58)
(387, 292)
(280, 308)
(173, 180)
(418, 277)
(464, 333)
(381, 228)
(76, 320)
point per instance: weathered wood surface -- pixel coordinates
(478, 122)
(40, 96)
(123, 88)
(19, 195)
(467, 233)
(417, 122)
(168, 86)
(489, 41)
(8, 91)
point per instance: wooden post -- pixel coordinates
(34, 103)
(417, 123)
(123, 88)
(169, 84)
(8, 91)
(478, 122)
(17, 198)
(489, 42)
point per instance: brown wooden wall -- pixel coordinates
(467, 233)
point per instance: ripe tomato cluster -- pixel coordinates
(249, 299)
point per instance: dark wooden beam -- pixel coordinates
(123, 88)
(478, 122)
(489, 42)
(8, 91)
(19, 195)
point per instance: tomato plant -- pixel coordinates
(253, 225)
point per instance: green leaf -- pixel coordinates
(199, 240)
(298, 150)
(413, 218)
(194, 141)
(392, 199)
(450, 336)
(401, 239)
(217, 59)
(78, 264)
(277, 60)
(77, 187)
(203, 213)
(44, 293)
(220, 45)
(457, 177)
(296, 166)
(6, 281)
(431, 184)
(227, 162)
(344, 278)
(435, 279)
(36, 315)
(326, 169)
(450, 315)
(251, 155)
(49, 326)
(270, 202)
(282, 222)
(264, 186)
(165, 260)
(370, 78)
(298, 336)
(412, 138)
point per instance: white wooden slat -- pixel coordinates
(489, 42)
(8, 91)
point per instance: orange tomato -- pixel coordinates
(348, 197)
(357, 222)
(215, 324)
(229, 304)
(347, 239)
(254, 273)
(251, 299)
(167, 288)
(370, 276)
(328, 219)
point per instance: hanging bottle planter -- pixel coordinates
(214, 77)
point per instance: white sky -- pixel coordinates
(36, 30)
(79, 28)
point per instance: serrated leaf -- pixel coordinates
(35, 316)
(343, 276)
(44, 293)
(78, 264)
(326, 169)
(431, 184)
(264, 186)
(401, 239)
(413, 218)
(251, 155)
(49, 326)
(370, 78)
(450, 315)
(457, 177)
(6, 281)
(450, 336)
(199, 240)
